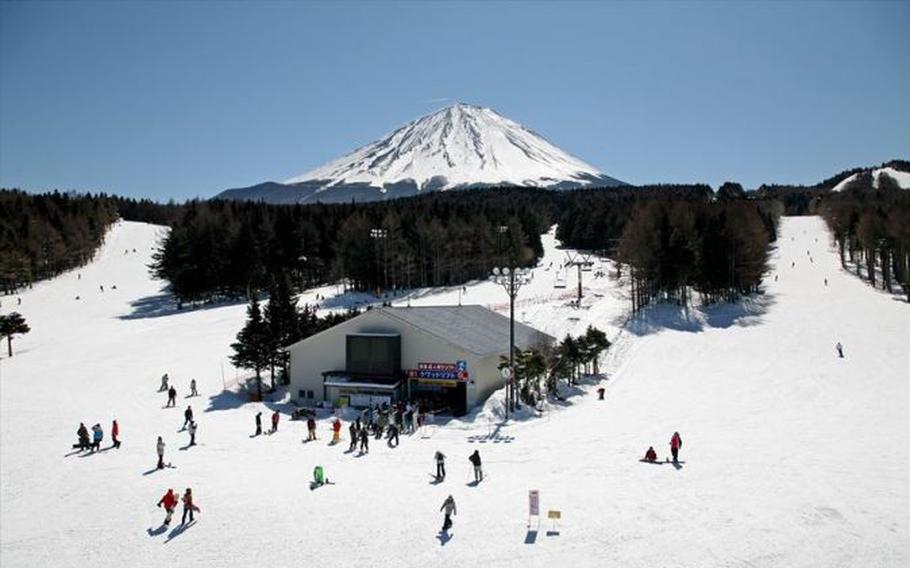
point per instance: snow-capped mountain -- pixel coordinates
(457, 147)
(902, 178)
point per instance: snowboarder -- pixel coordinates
(172, 396)
(275, 418)
(188, 506)
(826, 281)
(364, 441)
(164, 379)
(651, 455)
(115, 434)
(160, 449)
(170, 503)
(193, 391)
(336, 431)
(840, 350)
(440, 465)
(675, 445)
(393, 435)
(449, 507)
(478, 471)
(187, 416)
(97, 436)
(258, 424)
(311, 429)
(82, 433)
(192, 430)
(353, 433)
(102, 288)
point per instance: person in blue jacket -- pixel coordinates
(97, 436)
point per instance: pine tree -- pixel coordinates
(252, 349)
(598, 343)
(10, 325)
(281, 318)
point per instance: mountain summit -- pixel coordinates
(460, 146)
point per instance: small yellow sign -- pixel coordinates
(554, 514)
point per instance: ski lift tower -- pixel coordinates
(581, 261)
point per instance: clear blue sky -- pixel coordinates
(174, 100)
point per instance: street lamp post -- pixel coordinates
(511, 279)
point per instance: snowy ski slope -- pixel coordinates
(792, 457)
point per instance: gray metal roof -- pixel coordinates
(473, 328)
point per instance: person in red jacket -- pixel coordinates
(275, 417)
(170, 503)
(675, 445)
(651, 455)
(336, 431)
(115, 433)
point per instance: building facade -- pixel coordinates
(444, 356)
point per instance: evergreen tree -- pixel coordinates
(281, 318)
(10, 325)
(253, 347)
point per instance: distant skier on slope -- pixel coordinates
(187, 416)
(651, 455)
(840, 350)
(159, 447)
(164, 379)
(115, 434)
(171, 396)
(188, 506)
(449, 507)
(393, 435)
(258, 424)
(193, 391)
(170, 503)
(364, 441)
(478, 471)
(336, 431)
(675, 445)
(275, 417)
(97, 437)
(353, 433)
(192, 430)
(82, 433)
(311, 429)
(440, 465)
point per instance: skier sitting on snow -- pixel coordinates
(651, 455)
(319, 475)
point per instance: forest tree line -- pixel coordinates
(871, 226)
(44, 235)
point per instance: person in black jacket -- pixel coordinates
(440, 465)
(364, 441)
(187, 416)
(258, 424)
(478, 472)
(352, 430)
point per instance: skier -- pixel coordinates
(97, 436)
(311, 429)
(440, 465)
(364, 441)
(449, 507)
(275, 417)
(651, 455)
(102, 288)
(172, 396)
(336, 431)
(188, 506)
(115, 433)
(187, 416)
(82, 432)
(170, 503)
(353, 433)
(258, 424)
(826, 281)
(840, 350)
(478, 471)
(319, 476)
(193, 391)
(393, 435)
(164, 379)
(160, 449)
(675, 445)
(192, 430)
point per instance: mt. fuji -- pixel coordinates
(461, 146)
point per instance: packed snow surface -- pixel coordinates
(792, 456)
(457, 146)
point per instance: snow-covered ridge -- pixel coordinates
(456, 147)
(902, 178)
